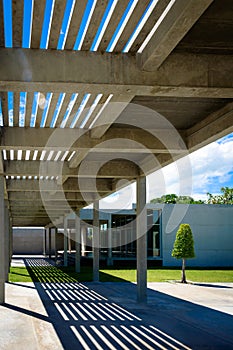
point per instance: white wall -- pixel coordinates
(28, 240)
(212, 227)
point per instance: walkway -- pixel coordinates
(70, 315)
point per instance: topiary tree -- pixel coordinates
(183, 247)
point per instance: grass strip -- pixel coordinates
(68, 274)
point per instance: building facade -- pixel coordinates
(212, 227)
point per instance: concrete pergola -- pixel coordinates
(80, 122)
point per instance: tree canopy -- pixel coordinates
(226, 197)
(174, 199)
(183, 247)
(184, 244)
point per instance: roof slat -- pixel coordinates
(16, 108)
(40, 109)
(153, 18)
(29, 102)
(86, 110)
(115, 19)
(75, 109)
(58, 14)
(63, 109)
(94, 24)
(17, 14)
(52, 108)
(76, 19)
(2, 39)
(130, 26)
(96, 111)
(37, 23)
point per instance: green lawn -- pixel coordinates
(67, 274)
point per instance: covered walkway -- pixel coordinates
(72, 315)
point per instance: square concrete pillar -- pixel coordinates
(2, 242)
(109, 258)
(96, 242)
(141, 241)
(45, 242)
(77, 242)
(50, 243)
(7, 241)
(83, 239)
(65, 241)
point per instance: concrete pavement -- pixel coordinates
(106, 316)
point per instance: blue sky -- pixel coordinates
(212, 168)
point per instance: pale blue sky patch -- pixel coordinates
(22, 108)
(10, 98)
(225, 139)
(7, 14)
(121, 25)
(1, 116)
(48, 16)
(27, 23)
(65, 24)
(84, 24)
(103, 24)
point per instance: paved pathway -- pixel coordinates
(71, 315)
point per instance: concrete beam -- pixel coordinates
(196, 74)
(113, 169)
(175, 21)
(51, 198)
(213, 127)
(71, 185)
(39, 204)
(117, 138)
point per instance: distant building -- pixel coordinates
(212, 227)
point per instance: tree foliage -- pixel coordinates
(174, 199)
(183, 247)
(184, 244)
(225, 198)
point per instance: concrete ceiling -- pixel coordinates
(78, 119)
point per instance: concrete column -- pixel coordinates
(7, 241)
(55, 243)
(83, 240)
(50, 243)
(141, 241)
(77, 242)
(69, 241)
(2, 241)
(96, 242)
(11, 241)
(65, 241)
(109, 259)
(45, 242)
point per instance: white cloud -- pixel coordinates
(211, 169)
(206, 170)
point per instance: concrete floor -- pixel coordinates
(106, 316)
